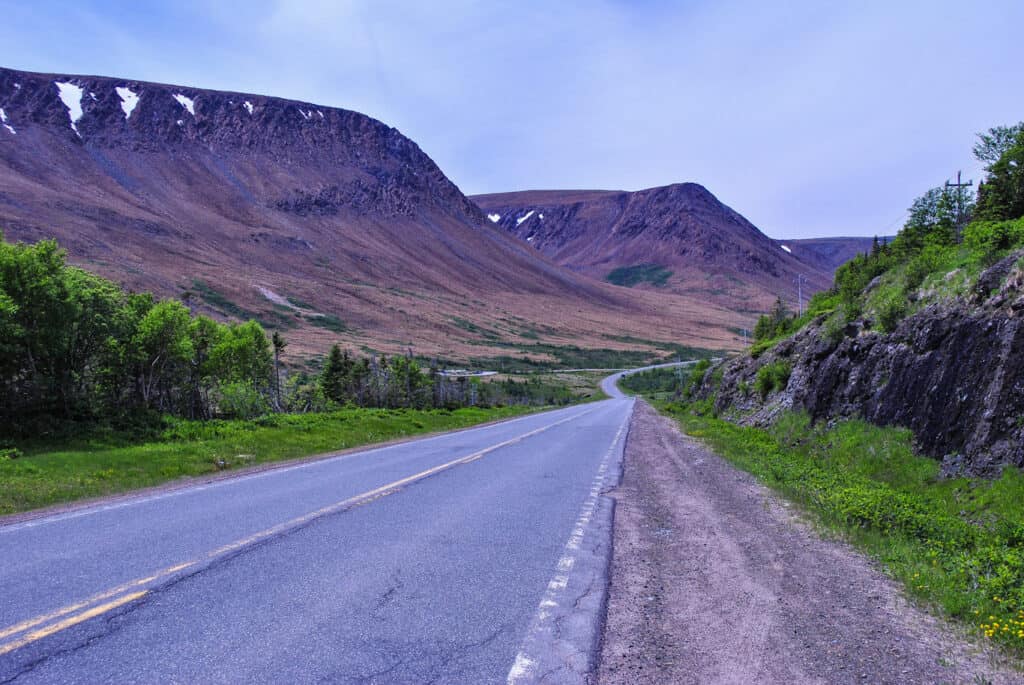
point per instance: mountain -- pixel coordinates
(678, 238)
(321, 222)
(829, 253)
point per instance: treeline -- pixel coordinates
(945, 223)
(75, 347)
(401, 381)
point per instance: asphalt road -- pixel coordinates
(436, 560)
(609, 384)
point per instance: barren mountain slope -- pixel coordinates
(677, 238)
(321, 221)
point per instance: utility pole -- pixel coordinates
(959, 202)
(800, 280)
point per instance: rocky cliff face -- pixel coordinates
(386, 172)
(953, 373)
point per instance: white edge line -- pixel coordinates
(525, 663)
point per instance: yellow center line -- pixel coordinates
(68, 622)
(32, 622)
(351, 502)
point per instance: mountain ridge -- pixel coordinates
(224, 197)
(709, 248)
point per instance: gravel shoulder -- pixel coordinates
(716, 580)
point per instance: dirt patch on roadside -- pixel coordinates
(715, 580)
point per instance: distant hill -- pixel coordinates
(321, 222)
(678, 238)
(829, 253)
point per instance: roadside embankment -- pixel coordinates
(715, 579)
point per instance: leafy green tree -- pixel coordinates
(1001, 195)
(994, 143)
(164, 351)
(206, 334)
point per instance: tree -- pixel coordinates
(279, 343)
(991, 146)
(333, 377)
(164, 352)
(1001, 196)
(932, 220)
(774, 323)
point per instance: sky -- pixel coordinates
(810, 118)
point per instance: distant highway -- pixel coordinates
(447, 559)
(610, 384)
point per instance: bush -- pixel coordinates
(891, 307)
(991, 237)
(241, 400)
(696, 378)
(772, 377)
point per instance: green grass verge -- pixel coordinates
(53, 474)
(956, 544)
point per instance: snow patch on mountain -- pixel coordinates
(186, 102)
(495, 218)
(523, 218)
(129, 100)
(71, 96)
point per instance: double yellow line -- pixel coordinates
(29, 631)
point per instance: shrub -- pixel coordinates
(992, 237)
(891, 307)
(241, 400)
(696, 378)
(772, 377)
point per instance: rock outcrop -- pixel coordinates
(953, 373)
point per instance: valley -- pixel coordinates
(283, 401)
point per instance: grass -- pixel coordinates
(467, 325)
(328, 321)
(51, 474)
(956, 544)
(219, 302)
(630, 276)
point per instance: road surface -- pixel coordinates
(459, 558)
